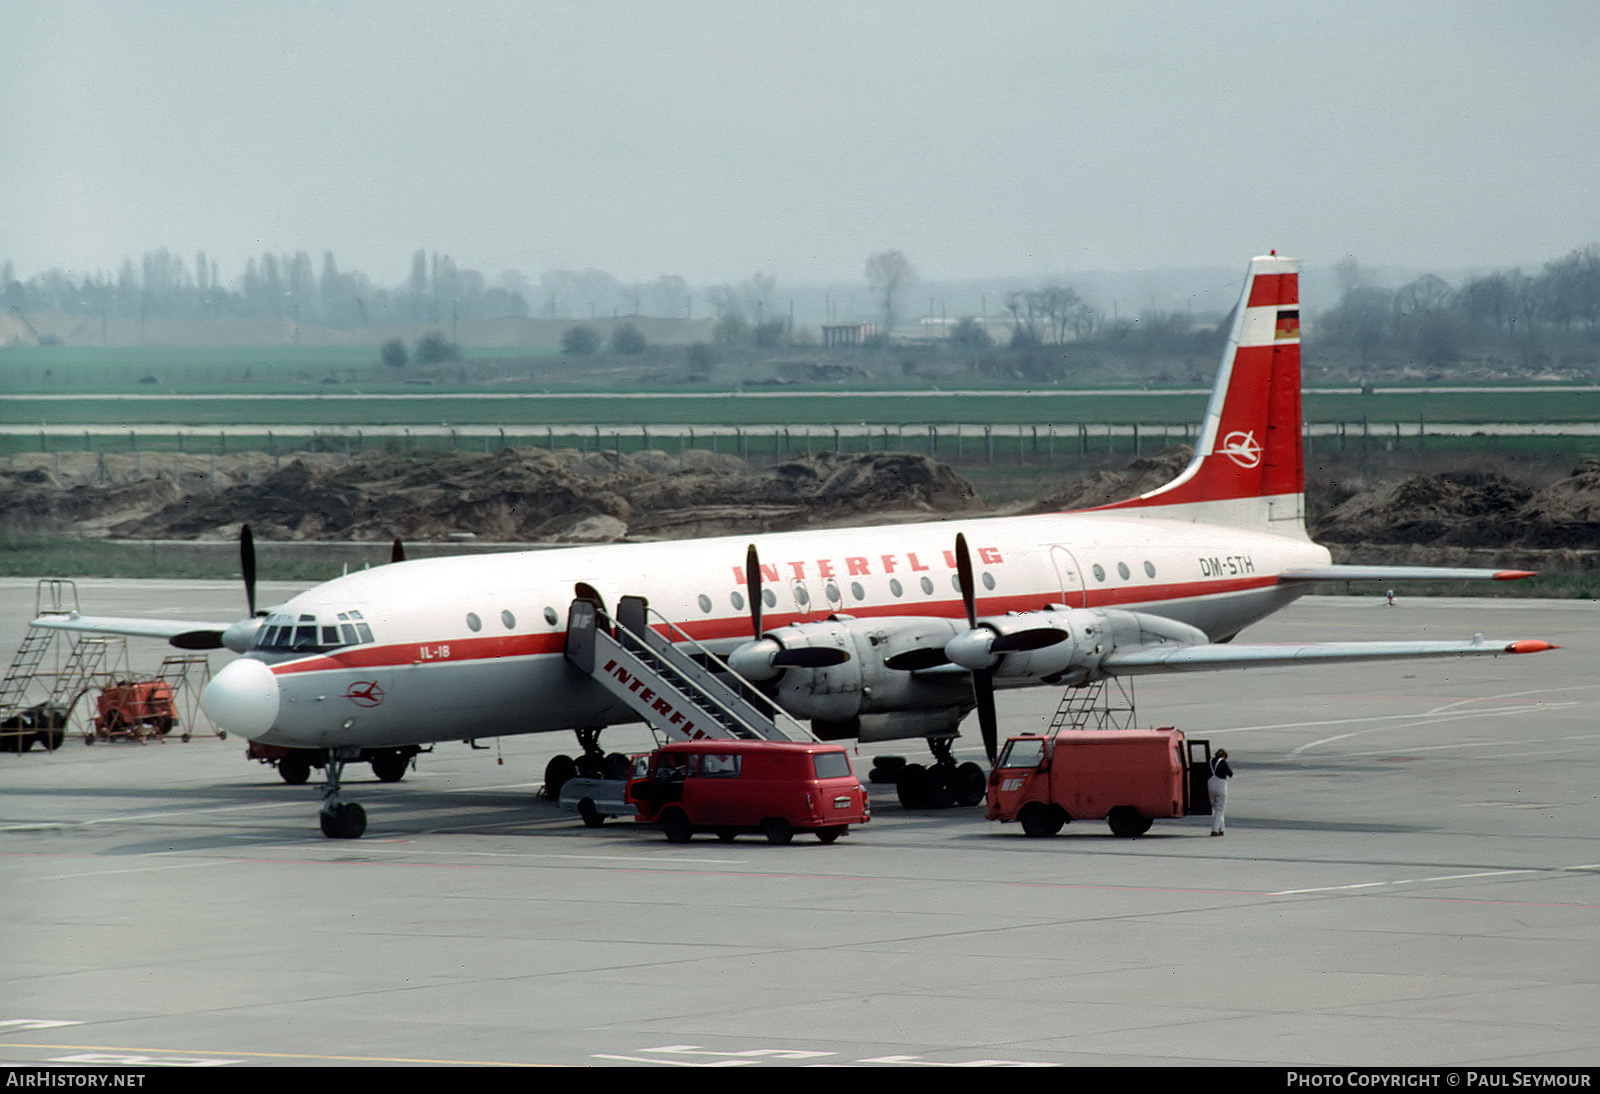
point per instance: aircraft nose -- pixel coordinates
(242, 698)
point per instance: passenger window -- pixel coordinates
(509, 620)
(705, 603)
(1149, 570)
(1122, 570)
(857, 591)
(737, 601)
(473, 622)
(895, 587)
(719, 766)
(1099, 572)
(831, 765)
(927, 586)
(988, 580)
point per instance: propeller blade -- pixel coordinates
(926, 658)
(397, 553)
(988, 720)
(982, 679)
(1021, 641)
(247, 566)
(964, 576)
(810, 657)
(752, 581)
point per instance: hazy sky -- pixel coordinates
(716, 139)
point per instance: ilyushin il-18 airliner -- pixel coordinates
(874, 633)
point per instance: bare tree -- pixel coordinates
(889, 274)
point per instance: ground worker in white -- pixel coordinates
(1217, 785)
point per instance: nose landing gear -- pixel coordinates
(340, 819)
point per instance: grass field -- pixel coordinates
(319, 408)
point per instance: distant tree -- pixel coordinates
(701, 358)
(394, 353)
(627, 340)
(889, 275)
(580, 341)
(434, 348)
(969, 334)
(772, 333)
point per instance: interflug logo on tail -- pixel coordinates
(1242, 448)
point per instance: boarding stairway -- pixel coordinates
(667, 688)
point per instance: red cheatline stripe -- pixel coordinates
(527, 645)
(1274, 289)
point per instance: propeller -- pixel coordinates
(397, 553)
(764, 658)
(240, 635)
(982, 678)
(247, 566)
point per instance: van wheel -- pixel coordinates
(777, 831)
(676, 826)
(1039, 819)
(592, 817)
(1126, 821)
(831, 833)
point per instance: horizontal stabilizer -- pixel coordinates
(1399, 573)
(1212, 657)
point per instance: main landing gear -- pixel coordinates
(595, 763)
(941, 785)
(340, 819)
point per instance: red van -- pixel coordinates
(1127, 776)
(728, 787)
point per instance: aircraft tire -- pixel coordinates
(390, 767)
(939, 787)
(347, 821)
(912, 786)
(294, 769)
(1040, 820)
(972, 785)
(556, 773)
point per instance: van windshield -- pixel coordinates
(1028, 752)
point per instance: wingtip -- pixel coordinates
(1515, 575)
(1531, 645)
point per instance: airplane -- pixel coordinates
(872, 633)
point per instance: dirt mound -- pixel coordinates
(1471, 509)
(1104, 487)
(32, 500)
(1460, 509)
(528, 495)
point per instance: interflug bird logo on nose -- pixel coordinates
(364, 693)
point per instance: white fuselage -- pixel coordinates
(429, 675)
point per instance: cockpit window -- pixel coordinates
(305, 633)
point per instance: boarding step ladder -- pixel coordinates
(1095, 706)
(667, 688)
(52, 596)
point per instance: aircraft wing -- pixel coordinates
(1399, 573)
(1213, 656)
(169, 629)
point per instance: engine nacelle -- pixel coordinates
(817, 684)
(1061, 645)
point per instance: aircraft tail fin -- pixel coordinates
(1248, 467)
